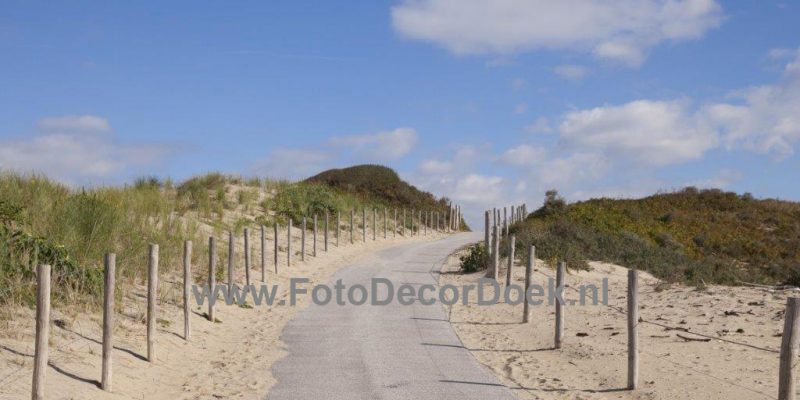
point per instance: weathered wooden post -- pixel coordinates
(513, 221)
(246, 258)
(562, 270)
(263, 254)
(231, 254)
(385, 223)
(187, 281)
(314, 246)
(352, 219)
(633, 329)
(374, 223)
(212, 278)
(486, 233)
(511, 244)
(789, 342)
(496, 254)
(289, 242)
(413, 212)
(364, 225)
(40, 354)
(403, 225)
(303, 241)
(528, 274)
(152, 301)
(108, 319)
(275, 244)
(505, 221)
(338, 227)
(327, 218)
(394, 231)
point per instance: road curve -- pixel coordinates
(383, 352)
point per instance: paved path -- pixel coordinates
(383, 352)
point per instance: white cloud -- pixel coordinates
(647, 132)
(390, 145)
(614, 30)
(478, 189)
(74, 124)
(722, 180)
(78, 150)
(294, 163)
(780, 53)
(520, 108)
(765, 118)
(435, 167)
(541, 125)
(571, 72)
(524, 155)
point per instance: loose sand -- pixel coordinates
(228, 359)
(592, 363)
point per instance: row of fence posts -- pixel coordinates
(791, 329)
(420, 223)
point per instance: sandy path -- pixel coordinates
(594, 366)
(229, 359)
(393, 351)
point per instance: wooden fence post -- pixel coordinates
(486, 233)
(528, 274)
(152, 301)
(314, 246)
(263, 254)
(108, 319)
(633, 329)
(562, 269)
(403, 225)
(231, 255)
(289, 243)
(338, 227)
(374, 223)
(394, 230)
(496, 254)
(41, 351)
(789, 342)
(327, 218)
(511, 244)
(303, 241)
(385, 223)
(364, 225)
(187, 281)
(246, 258)
(212, 276)
(352, 220)
(275, 246)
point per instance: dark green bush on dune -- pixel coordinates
(690, 235)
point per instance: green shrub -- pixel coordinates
(475, 260)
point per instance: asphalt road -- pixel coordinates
(383, 352)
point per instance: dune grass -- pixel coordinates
(42, 221)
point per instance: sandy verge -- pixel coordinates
(228, 359)
(592, 363)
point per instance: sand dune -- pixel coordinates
(592, 362)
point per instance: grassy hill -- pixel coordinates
(376, 181)
(692, 235)
(42, 221)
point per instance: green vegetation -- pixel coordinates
(46, 222)
(375, 181)
(475, 260)
(692, 235)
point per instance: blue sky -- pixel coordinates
(487, 102)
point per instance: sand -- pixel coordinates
(228, 359)
(592, 363)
